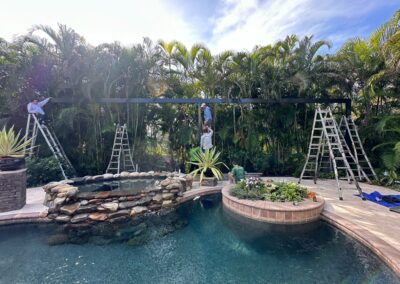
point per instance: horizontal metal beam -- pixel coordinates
(209, 101)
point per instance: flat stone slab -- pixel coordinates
(201, 191)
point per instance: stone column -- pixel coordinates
(12, 190)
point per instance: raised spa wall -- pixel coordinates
(274, 212)
(68, 205)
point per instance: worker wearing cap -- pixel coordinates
(207, 114)
(36, 107)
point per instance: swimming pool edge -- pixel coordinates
(386, 252)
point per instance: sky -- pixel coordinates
(220, 24)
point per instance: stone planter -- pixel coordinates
(12, 190)
(274, 212)
(209, 181)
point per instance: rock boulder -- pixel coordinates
(70, 209)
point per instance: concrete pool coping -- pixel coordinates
(373, 225)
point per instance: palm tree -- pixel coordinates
(68, 49)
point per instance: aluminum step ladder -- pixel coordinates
(121, 157)
(33, 126)
(349, 131)
(325, 141)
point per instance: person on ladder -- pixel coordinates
(35, 107)
(207, 114)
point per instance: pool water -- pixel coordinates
(199, 243)
(121, 185)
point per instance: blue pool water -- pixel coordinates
(200, 243)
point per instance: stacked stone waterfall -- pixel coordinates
(68, 205)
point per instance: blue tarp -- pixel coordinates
(376, 197)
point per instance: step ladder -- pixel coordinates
(33, 127)
(352, 161)
(349, 131)
(326, 147)
(121, 158)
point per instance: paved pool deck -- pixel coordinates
(371, 224)
(33, 211)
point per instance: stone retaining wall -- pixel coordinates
(120, 176)
(68, 205)
(12, 190)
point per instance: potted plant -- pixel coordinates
(12, 150)
(208, 166)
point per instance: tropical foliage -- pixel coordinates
(207, 161)
(256, 189)
(59, 63)
(11, 145)
(42, 170)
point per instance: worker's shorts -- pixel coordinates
(208, 122)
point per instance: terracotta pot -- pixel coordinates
(11, 164)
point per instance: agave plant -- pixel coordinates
(11, 146)
(207, 160)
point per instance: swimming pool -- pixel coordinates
(199, 243)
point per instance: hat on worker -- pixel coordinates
(203, 105)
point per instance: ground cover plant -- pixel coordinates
(256, 189)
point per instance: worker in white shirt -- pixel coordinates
(36, 108)
(206, 138)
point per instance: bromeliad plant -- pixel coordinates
(208, 160)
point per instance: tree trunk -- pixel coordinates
(199, 122)
(234, 120)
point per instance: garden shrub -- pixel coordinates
(42, 170)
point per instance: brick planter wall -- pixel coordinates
(274, 212)
(12, 190)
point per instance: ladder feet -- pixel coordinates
(341, 198)
(363, 198)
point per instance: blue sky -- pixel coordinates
(220, 24)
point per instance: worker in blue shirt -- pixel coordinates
(36, 107)
(207, 114)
